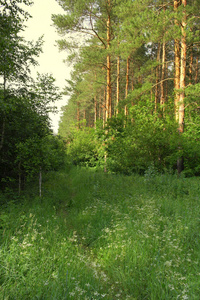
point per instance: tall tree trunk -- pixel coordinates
(95, 110)
(157, 77)
(78, 115)
(176, 66)
(95, 104)
(127, 83)
(118, 82)
(166, 83)
(109, 93)
(191, 65)
(40, 182)
(162, 90)
(181, 110)
(100, 107)
(196, 69)
(104, 108)
(182, 72)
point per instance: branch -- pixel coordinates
(162, 81)
(91, 23)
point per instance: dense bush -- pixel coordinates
(136, 142)
(83, 147)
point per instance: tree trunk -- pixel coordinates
(118, 82)
(20, 179)
(191, 65)
(176, 66)
(78, 115)
(197, 69)
(108, 96)
(95, 110)
(127, 83)
(157, 77)
(181, 110)
(40, 182)
(162, 90)
(104, 108)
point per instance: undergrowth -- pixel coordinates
(95, 235)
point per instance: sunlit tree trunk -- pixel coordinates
(118, 82)
(100, 107)
(191, 65)
(162, 90)
(95, 110)
(176, 66)
(78, 115)
(104, 108)
(182, 72)
(196, 69)
(181, 108)
(157, 77)
(109, 92)
(127, 83)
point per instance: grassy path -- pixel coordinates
(103, 236)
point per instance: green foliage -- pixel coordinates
(37, 154)
(145, 139)
(103, 236)
(26, 141)
(83, 147)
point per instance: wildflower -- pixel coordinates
(87, 284)
(168, 263)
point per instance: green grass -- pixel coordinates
(102, 236)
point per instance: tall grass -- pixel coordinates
(102, 236)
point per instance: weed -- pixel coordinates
(103, 236)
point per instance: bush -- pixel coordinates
(83, 148)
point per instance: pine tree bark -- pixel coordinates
(95, 110)
(191, 65)
(181, 109)
(196, 70)
(109, 93)
(78, 115)
(176, 66)
(118, 83)
(127, 83)
(162, 90)
(157, 77)
(182, 72)
(104, 108)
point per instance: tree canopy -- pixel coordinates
(27, 144)
(138, 66)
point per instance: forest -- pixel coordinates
(109, 207)
(134, 89)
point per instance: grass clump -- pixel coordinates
(102, 236)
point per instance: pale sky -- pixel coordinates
(51, 60)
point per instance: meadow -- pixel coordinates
(95, 235)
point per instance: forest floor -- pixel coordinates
(95, 235)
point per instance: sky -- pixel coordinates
(51, 60)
